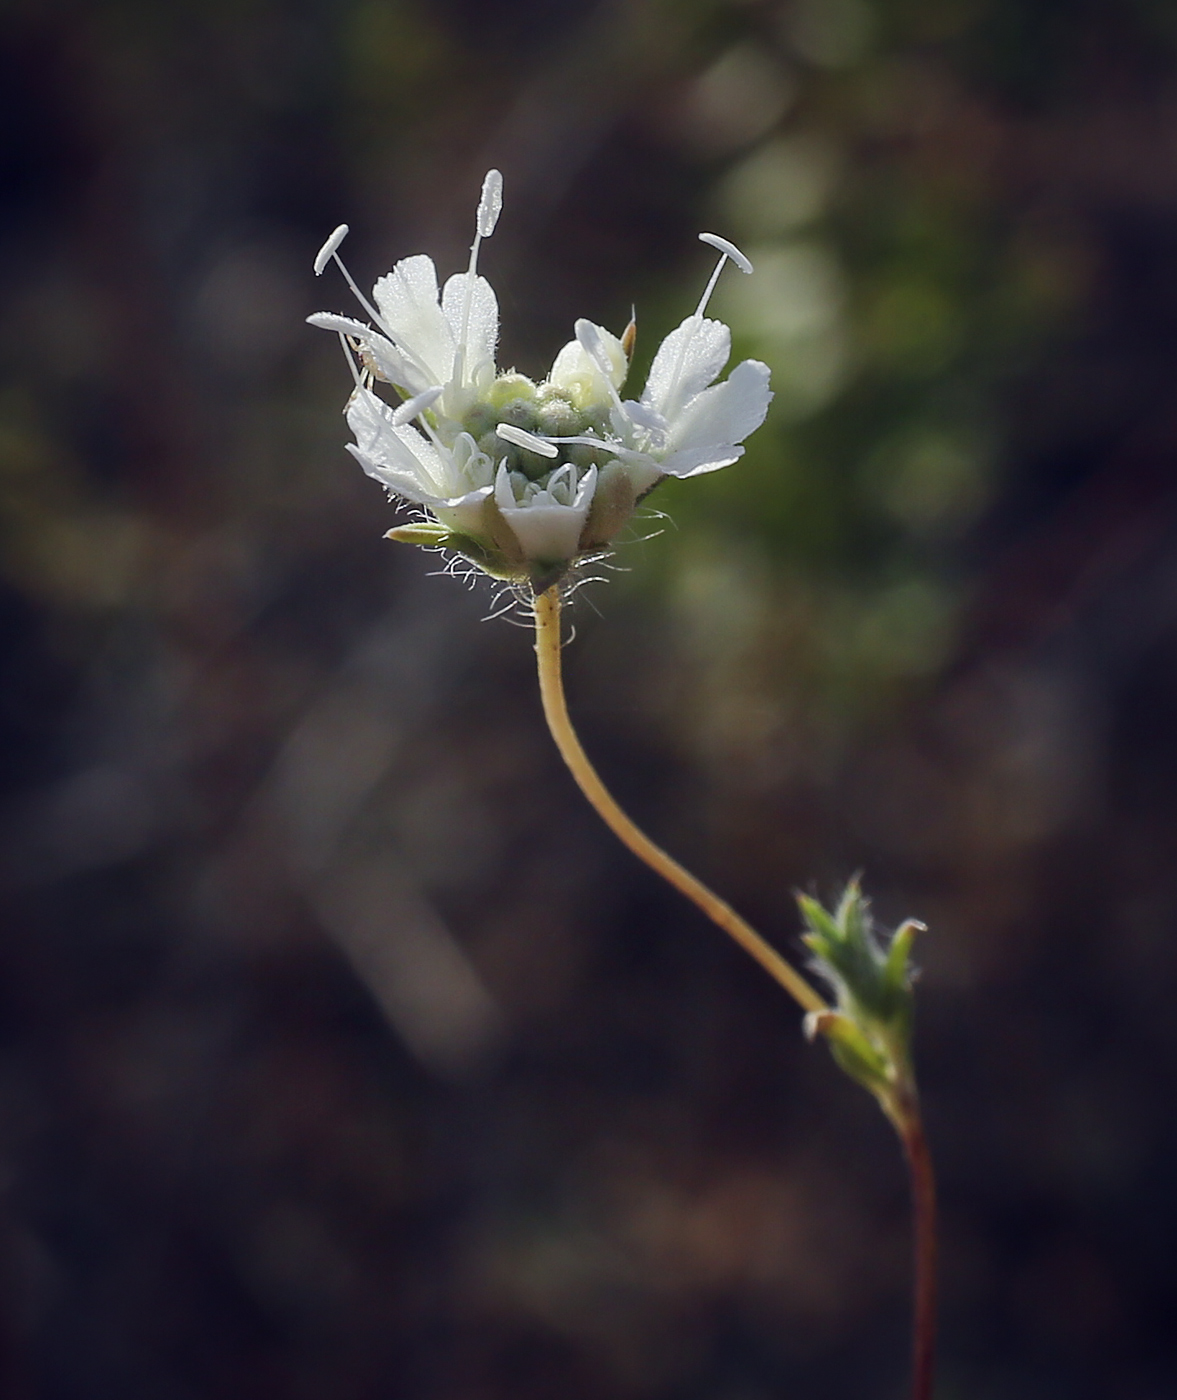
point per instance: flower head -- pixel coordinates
(526, 479)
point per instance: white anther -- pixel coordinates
(327, 251)
(521, 438)
(730, 249)
(490, 205)
(418, 404)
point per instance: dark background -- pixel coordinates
(344, 1053)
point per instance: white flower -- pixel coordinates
(526, 478)
(451, 483)
(685, 423)
(548, 521)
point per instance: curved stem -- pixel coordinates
(923, 1202)
(551, 685)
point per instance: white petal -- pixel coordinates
(408, 465)
(584, 492)
(687, 361)
(473, 467)
(388, 360)
(604, 349)
(547, 532)
(640, 415)
(342, 325)
(463, 514)
(698, 461)
(404, 482)
(417, 404)
(394, 367)
(504, 495)
(386, 451)
(407, 298)
(482, 329)
(705, 434)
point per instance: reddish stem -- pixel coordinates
(923, 1201)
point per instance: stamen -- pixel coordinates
(327, 251)
(522, 438)
(586, 440)
(726, 250)
(344, 325)
(609, 446)
(490, 206)
(360, 297)
(412, 407)
(431, 433)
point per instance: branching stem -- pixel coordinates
(551, 685)
(904, 1114)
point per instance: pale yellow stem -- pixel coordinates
(551, 687)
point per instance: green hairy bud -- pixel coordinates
(869, 1030)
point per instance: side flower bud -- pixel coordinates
(869, 1030)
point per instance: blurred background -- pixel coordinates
(343, 1053)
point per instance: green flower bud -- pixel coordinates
(557, 418)
(612, 506)
(583, 456)
(519, 412)
(532, 465)
(596, 421)
(423, 532)
(479, 421)
(511, 386)
(869, 1031)
(497, 448)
